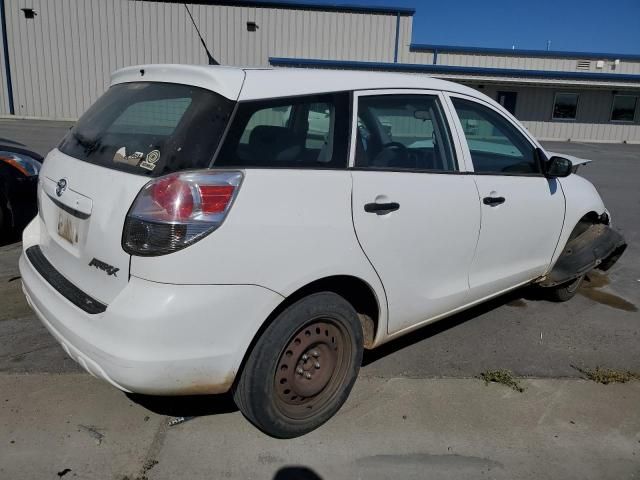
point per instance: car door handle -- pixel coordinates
(381, 208)
(493, 201)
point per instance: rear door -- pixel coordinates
(415, 212)
(135, 132)
(522, 211)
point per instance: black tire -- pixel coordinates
(565, 291)
(320, 336)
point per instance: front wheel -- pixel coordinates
(303, 366)
(565, 291)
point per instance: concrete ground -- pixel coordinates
(390, 427)
(416, 412)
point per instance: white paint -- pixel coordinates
(226, 81)
(103, 194)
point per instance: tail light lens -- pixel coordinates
(172, 212)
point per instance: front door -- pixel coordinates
(522, 211)
(416, 216)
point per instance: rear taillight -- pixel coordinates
(175, 211)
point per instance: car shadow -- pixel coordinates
(9, 239)
(186, 406)
(296, 472)
(514, 298)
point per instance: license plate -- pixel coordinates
(68, 227)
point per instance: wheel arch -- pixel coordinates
(359, 293)
(589, 218)
(574, 227)
(591, 243)
(582, 201)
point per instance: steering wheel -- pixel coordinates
(392, 154)
(397, 145)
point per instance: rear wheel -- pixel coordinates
(565, 291)
(303, 367)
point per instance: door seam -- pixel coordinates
(355, 232)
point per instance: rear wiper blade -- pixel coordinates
(88, 145)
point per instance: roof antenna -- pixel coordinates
(212, 61)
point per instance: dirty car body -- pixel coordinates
(192, 209)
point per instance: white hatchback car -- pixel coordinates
(206, 229)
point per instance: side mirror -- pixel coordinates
(558, 167)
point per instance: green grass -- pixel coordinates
(505, 377)
(608, 375)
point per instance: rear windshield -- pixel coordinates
(150, 128)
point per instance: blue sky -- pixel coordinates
(581, 25)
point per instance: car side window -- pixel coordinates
(273, 116)
(293, 132)
(319, 118)
(403, 132)
(496, 146)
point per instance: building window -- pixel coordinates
(565, 106)
(624, 108)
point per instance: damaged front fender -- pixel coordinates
(599, 246)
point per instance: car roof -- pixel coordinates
(238, 83)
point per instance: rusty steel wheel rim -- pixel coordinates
(311, 368)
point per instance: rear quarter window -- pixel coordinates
(150, 128)
(293, 132)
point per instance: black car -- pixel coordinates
(19, 169)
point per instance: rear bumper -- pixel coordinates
(158, 339)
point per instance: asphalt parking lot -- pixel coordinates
(542, 341)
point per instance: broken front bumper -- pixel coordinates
(599, 246)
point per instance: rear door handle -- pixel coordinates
(381, 208)
(493, 201)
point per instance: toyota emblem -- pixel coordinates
(61, 187)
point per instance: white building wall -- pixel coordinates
(404, 39)
(534, 108)
(62, 59)
(521, 62)
(4, 91)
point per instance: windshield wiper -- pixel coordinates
(89, 146)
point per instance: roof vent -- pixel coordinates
(583, 65)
